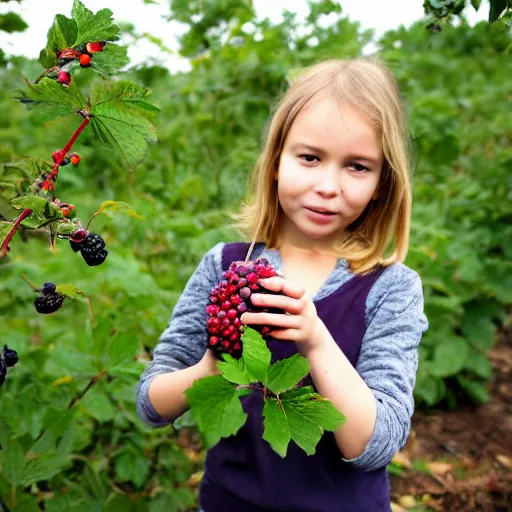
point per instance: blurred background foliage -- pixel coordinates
(97, 455)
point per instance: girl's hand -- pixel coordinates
(300, 323)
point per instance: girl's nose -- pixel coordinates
(327, 181)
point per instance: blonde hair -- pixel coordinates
(384, 225)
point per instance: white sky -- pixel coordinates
(381, 15)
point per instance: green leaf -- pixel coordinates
(12, 22)
(112, 59)
(53, 100)
(496, 9)
(255, 354)
(71, 291)
(285, 374)
(300, 415)
(133, 467)
(120, 119)
(121, 347)
(450, 356)
(119, 206)
(479, 364)
(62, 34)
(276, 429)
(42, 210)
(478, 325)
(12, 460)
(93, 27)
(98, 406)
(216, 407)
(476, 4)
(49, 439)
(43, 468)
(476, 390)
(233, 370)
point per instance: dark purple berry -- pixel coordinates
(50, 303)
(10, 356)
(93, 250)
(48, 289)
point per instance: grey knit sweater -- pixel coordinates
(387, 363)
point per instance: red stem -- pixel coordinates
(67, 147)
(27, 212)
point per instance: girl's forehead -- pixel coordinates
(331, 124)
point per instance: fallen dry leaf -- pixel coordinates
(402, 459)
(407, 501)
(504, 461)
(439, 468)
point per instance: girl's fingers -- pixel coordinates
(277, 320)
(292, 306)
(281, 285)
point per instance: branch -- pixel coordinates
(4, 249)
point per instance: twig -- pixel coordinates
(4, 249)
(30, 283)
(80, 395)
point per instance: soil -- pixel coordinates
(461, 460)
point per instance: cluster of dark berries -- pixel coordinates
(84, 55)
(49, 301)
(72, 158)
(8, 358)
(90, 245)
(230, 299)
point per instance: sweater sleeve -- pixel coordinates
(183, 342)
(388, 360)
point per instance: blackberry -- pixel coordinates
(49, 303)
(230, 299)
(48, 289)
(93, 250)
(8, 358)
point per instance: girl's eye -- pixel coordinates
(359, 168)
(309, 158)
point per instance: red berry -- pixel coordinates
(95, 47)
(75, 159)
(226, 305)
(232, 314)
(64, 78)
(252, 278)
(85, 60)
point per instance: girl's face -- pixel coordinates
(328, 172)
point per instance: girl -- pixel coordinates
(331, 211)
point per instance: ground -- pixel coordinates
(461, 460)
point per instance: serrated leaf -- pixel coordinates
(93, 27)
(285, 374)
(450, 356)
(48, 440)
(216, 407)
(53, 100)
(62, 34)
(120, 119)
(110, 60)
(276, 430)
(133, 467)
(233, 370)
(98, 406)
(122, 347)
(119, 206)
(42, 210)
(302, 416)
(255, 354)
(71, 291)
(12, 460)
(43, 468)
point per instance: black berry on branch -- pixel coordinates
(8, 358)
(92, 249)
(230, 299)
(49, 301)
(64, 78)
